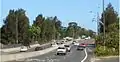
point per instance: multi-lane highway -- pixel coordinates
(73, 56)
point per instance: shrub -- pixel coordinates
(99, 51)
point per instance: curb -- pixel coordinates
(108, 57)
(100, 58)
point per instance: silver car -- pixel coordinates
(61, 50)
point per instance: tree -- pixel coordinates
(50, 27)
(16, 23)
(112, 33)
(91, 33)
(16, 28)
(39, 20)
(9, 28)
(34, 33)
(63, 32)
(4, 35)
(72, 30)
(23, 26)
(111, 16)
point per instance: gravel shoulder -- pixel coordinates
(107, 59)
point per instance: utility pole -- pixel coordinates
(103, 25)
(73, 33)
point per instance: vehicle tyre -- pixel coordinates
(64, 53)
(57, 53)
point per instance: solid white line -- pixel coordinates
(85, 56)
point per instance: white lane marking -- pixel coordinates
(85, 56)
(64, 57)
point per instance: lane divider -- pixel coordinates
(85, 56)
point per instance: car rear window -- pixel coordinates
(74, 41)
(80, 46)
(66, 45)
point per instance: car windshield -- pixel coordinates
(62, 41)
(61, 48)
(23, 47)
(82, 44)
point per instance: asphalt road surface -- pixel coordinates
(33, 49)
(73, 56)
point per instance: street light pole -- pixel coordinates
(97, 23)
(97, 20)
(103, 25)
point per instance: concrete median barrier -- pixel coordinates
(17, 48)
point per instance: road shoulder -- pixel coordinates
(107, 59)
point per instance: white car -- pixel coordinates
(86, 38)
(73, 42)
(61, 50)
(23, 49)
(76, 43)
(54, 45)
(68, 47)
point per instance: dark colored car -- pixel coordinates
(92, 45)
(38, 48)
(80, 48)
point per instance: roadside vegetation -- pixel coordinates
(111, 36)
(18, 30)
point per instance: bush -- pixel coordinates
(99, 51)
(99, 40)
(111, 43)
